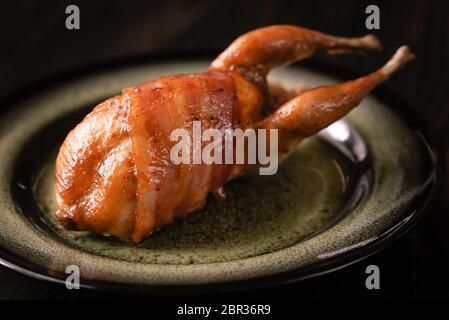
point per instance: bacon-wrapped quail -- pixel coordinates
(114, 174)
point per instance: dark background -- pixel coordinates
(35, 44)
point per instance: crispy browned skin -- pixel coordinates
(113, 172)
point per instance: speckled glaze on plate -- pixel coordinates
(342, 195)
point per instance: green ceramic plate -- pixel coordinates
(341, 196)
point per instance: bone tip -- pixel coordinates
(401, 58)
(372, 42)
(403, 55)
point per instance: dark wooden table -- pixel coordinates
(36, 44)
